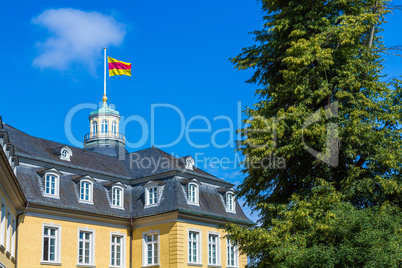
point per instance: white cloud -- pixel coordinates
(75, 37)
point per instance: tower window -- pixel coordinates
(114, 128)
(94, 128)
(104, 127)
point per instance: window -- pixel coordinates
(152, 196)
(85, 247)
(114, 128)
(194, 249)
(117, 250)
(13, 238)
(230, 204)
(94, 128)
(8, 235)
(213, 249)
(50, 244)
(193, 193)
(232, 254)
(189, 163)
(52, 185)
(3, 224)
(104, 127)
(66, 153)
(117, 196)
(150, 248)
(86, 191)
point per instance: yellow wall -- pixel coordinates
(30, 242)
(174, 245)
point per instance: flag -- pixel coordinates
(117, 67)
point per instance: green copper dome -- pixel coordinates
(105, 109)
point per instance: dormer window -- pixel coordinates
(104, 127)
(86, 188)
(189, 163)
(52, 181)
(230, 203)
(66, 153)
(153, 190)
(152, 195)
(117, 196)
(193, 193)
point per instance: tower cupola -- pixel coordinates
(104, 136)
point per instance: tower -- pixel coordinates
(104, 136)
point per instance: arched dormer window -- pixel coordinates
(51, 181)
(104, 127)
(153, 190)
(86, 188)
(66, 153)
(114, 128)
(230, 202)
(52, 184)
(117, 196)
(193, 193)
(94, 128)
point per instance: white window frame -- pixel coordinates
(3, 223)
(56, 185)
(122, 249)
(65, 153)
(199, 248)
(197, 193)
(147, 195)
(114, 127)
(104, 126)
(218, 249)
(230, 204)
(145, 248)
(94, 127)
(13, 236)
(8, 231)
(230, 245)
(57, 243)
(90, 192)
(91, 247)
(121, 199)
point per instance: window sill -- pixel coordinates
(8, 254)
(194, 264)
(150, 206)
(86, 202)
(51, 196)
(231, 211)
(85, 265)
(214, 265)
(50, 263)
(116, 207)
(151, 265)
(2, 248)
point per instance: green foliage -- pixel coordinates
(311, 54)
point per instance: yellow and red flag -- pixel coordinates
(117, 67)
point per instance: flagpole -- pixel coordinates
(104, 76)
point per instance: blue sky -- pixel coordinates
(53, 61)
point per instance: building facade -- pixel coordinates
(101, 206)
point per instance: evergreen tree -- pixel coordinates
(328, 112)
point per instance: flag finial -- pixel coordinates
(104, 98)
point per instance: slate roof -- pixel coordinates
(173, 196)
